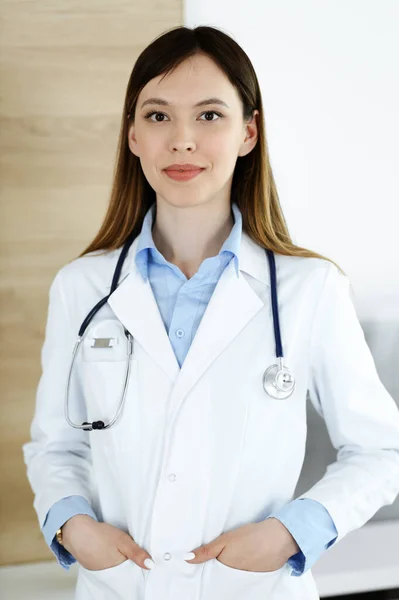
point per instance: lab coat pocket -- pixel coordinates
(122, 582)
(104, 363)
(223, 581)
(105, 341)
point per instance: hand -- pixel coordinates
(259, 547)
(97, 545)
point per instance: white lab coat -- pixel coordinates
(203, 449)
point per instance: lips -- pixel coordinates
(183, 174)
(187, 167)
(182, 170)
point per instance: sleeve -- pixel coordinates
(312, 528)
(361, 417)
(58, 515)
(57, 457)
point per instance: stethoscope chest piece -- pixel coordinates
(278, 382)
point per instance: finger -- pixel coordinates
(206, 552)
(137, 554)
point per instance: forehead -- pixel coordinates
(196, 78)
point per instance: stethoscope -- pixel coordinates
(278, 381)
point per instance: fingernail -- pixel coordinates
(149, 563)
(189, 556)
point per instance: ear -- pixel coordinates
(131, 138)
(251, 135)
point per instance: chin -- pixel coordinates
(186, 202)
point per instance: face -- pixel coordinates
(210, 136)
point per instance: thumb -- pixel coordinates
(136, 553)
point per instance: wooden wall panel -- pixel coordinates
(64, 68)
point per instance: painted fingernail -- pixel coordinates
(189, 556)
(149, 563)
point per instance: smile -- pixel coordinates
(182, 175)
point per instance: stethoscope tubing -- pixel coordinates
(277, 379)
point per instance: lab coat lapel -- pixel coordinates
(232, 305)
(134, 304)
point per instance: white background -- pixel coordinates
(329, 76)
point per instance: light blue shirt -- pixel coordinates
(182, 303)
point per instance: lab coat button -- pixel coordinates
(167, 556)
(172, 477)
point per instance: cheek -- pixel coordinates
(223, 157)
(151, 147)
(222, 147)
(152, 154)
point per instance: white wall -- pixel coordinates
(329, 77)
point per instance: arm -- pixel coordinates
(312, 528)
(58, 515)
(361, 417)
(58, 457)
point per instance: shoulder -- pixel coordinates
(83, 282)
(304, 270)
(92, 269)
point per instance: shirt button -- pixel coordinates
(167, 556)
(172, 477)
(180, 333)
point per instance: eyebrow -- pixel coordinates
(201, 103)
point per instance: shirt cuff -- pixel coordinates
(313, 529)
(60, 513)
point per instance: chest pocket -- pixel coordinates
(104, 360)
(105, 341)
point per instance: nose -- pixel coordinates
(181, 140)
(182, 146)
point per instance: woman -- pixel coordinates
(189, 495)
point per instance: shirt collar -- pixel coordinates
(145, 243)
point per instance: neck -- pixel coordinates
(187, 236)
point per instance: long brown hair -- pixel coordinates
(253, 187)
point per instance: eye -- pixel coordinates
(207, 112)
(210, 112)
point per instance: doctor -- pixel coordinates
(189, 494)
